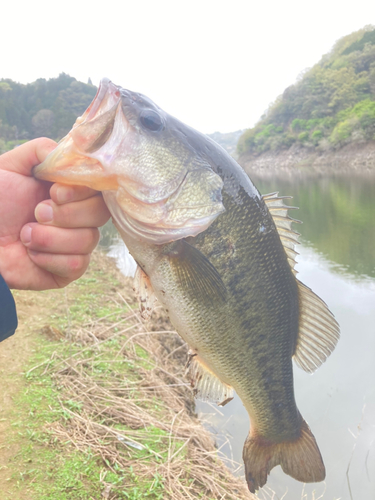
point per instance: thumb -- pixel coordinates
(23, 158)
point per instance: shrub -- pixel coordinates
(342, 131)
(303, 136)
(316, 136)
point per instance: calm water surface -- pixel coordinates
(337, 260)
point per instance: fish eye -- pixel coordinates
(151, 120)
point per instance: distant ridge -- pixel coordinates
(330, 108)
(42, 108)
(227, 140)
(50, 107)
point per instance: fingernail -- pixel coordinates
(64, 194)
(44, 213)
(26, 235)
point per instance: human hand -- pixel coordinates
(44, 243)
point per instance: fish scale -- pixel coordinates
(218, 256)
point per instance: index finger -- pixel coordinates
(23, 158)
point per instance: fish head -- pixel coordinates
(155, 183)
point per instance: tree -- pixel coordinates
(44, 107)
(330, 104)
(42, 122)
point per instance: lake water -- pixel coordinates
(337, 260)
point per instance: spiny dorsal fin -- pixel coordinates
(318, 333)
(205, 384)
(279, 212)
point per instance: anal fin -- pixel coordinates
(206, 385)
(145, 293)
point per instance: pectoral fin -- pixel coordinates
(195, 273)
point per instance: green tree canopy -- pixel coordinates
(42, 108)
(331, 105)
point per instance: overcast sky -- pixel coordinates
(216, 65)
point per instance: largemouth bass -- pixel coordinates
(220, 259)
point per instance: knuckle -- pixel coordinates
(77, 264)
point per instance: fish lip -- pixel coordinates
(106, 89)
(107, 97)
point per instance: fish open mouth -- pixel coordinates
(154, 184)
(107, 96)
(73, 162)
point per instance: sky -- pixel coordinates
(215, 65)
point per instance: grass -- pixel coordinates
(44, 467)
(106, 412)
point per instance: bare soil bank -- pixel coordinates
(358, 158)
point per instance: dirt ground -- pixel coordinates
(32, 309)
(36, 310)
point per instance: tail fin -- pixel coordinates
(300, 458)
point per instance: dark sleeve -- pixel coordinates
(8, 314)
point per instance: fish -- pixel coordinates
(219, 257)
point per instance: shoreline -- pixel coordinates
(358, 159)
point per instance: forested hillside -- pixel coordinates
(330, 106)
(42, 108)
(50, 107)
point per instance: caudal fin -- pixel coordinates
(300, 458)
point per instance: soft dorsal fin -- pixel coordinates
(206, 386)
(318, 330)
(279, 212)
(318, 333)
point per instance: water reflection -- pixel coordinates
(111, 242)
(338, 215)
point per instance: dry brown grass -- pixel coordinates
(120, 400)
